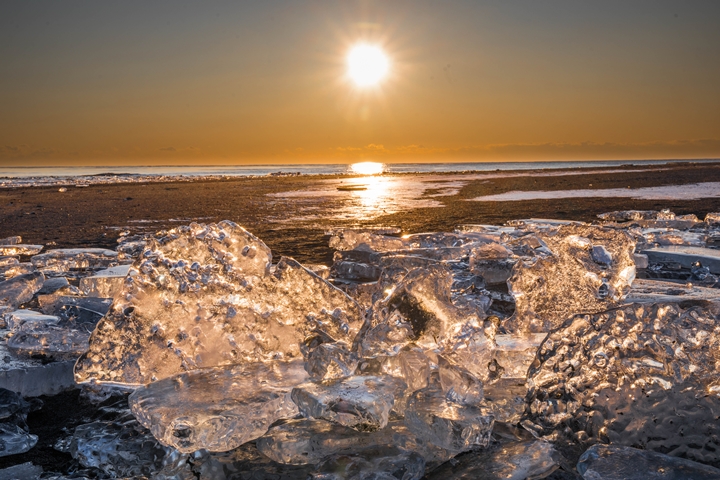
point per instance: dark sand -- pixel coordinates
(94, 216)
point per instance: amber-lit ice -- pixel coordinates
(512, 345)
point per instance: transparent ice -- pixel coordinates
(18, 290)
(65, 259)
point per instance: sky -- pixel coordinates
(179, 82)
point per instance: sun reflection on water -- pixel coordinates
(367, 168)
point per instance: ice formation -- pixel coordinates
(590, 269)
(204, 296)
(404, 353)
(14, 435)
(628, 376)
(220, 408)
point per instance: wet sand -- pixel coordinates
(291, 214)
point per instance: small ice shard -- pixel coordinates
(329, 361)
(23, 471)
(492, 262)
(19, 249)
(65, 259)
(11, 240)
(611, 462)
(668, 236)
(220, 408)
(306, 441)
(8, 261)
(636, 375)
(654, 291)
(361, 240)
(371, 463)
(34, 377)
(20, 289)
(623, 216)
(356, 271)
(641, 261)
(514, 354)
(17, 318)
(548, 290)
(49, 341)
(459, 385)
(712, 218)
(432, 417)
(359, 402)
(410, 365)
(205, 296)
(521, 460)
(120, 448)
(52, 285)
(686, 256)
(11, 271)
(14, 437)
(105, 283)
(506, 399)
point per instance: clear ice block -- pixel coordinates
(205, 296)
(19, 249)
(105, 283)
(14, 440)
(218, 409)
(432, 417)
(20, 289)
(360, 402)
(548, 290)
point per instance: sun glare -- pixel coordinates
(367, 65)
(367, 168)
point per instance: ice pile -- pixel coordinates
(505, 349)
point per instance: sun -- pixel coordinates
(367, 65)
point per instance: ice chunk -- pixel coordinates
(54, 342)
(204, 296)
(459, 385)
(549, 290)
(359, 402)
(65, 259)
(361, 272)
(17, 318)
(448, 425)
(667, 236)
(360, 240)
(686, 256)
(19, 249)
(11, 240)
(14, 440)
(512, 461)
(20, 289)
(372, 463)
(330, 361)
(493, 262)
(712, 218)
(52, 285)
(218, 409)
(11, 271)
(23, 471)
(626, 215)
(105, 283)
(307, 441)
(33, 377)
(8, 261)
(514, 354)
(506, 399)
(637, 375)
(611, 462)
(120, 448)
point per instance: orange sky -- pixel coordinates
(264, 82)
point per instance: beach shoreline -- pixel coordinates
(292, 213)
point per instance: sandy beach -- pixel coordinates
(292, 213)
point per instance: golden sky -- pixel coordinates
(173, 82)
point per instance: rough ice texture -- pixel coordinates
(573, 279)
(220, 408)
(371, 463)
(513, 461)
(640, 375)
(64, 259)
(56, 342)
(20, 289)
(105, 283)
(359, 402)
(448, 425)
(205, 296)
(307, 441)
(610, 462)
